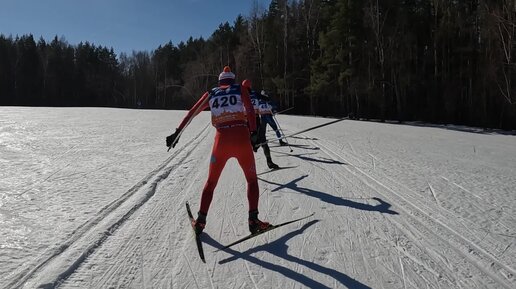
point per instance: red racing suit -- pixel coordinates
(233, 117)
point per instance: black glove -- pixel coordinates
(171, 139)
(254, 140)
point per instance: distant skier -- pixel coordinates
(267, 109)
(262, 128)
(233, 117)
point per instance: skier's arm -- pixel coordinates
(246, 99)
(199, 106)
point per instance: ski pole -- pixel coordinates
(284, 110)
(277, 123)
(308, 129)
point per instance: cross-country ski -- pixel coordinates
(250, 236)
(198, 241)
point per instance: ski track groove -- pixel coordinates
(433, 194)
(450, 269)
(461, 187)
(52, 158)
(368, 267)
(423, 246)
(403, 273)
(103, 214)
(351, 181)
(363, 177)
(357, 198)
(363, 219)
(126, 265)
(209, 275)
(191, 271)
(360, 236)
(490, 206)
(186, 241)
(472, 260)
(248, 270)
(135, 246)
(130, 249)
(459, 218)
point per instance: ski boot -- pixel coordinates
(255, 225)
(272, 165)
(282, 143)
(200, 223)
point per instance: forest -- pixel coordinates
(437, 61)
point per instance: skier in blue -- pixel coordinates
(267, 110)
(262, 127)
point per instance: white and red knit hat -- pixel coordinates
(226, 77)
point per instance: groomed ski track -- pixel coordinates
(385, 218)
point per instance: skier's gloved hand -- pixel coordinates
(171, 138)
(254, 138)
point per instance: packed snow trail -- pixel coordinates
(397, 206)
(371, 231)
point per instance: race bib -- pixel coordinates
(226, 105)
(265, 107)
(255, 102)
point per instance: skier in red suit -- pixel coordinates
(233, 117)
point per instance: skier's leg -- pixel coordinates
(261, 132)
(245, 158)
(218, 160)
(267, 152)
(261, 138)
(246, 162)
(273, 125)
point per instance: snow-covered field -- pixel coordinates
(90, 198)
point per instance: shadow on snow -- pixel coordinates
(279, 248)
(382, 207)
(311, 159)
(300, 146)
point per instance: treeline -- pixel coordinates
(441, 61)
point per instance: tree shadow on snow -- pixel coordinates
(279, 248)
(460, 128)
(305, 157)
(382, 207)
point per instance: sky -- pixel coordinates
(125, 25)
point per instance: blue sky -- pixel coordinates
(125, 25)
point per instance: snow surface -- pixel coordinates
(90, 198)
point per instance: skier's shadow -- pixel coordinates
(275, 170)
(279, 248)
(382, 207)
(305, 157)
(305, 138)
(300, 146)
